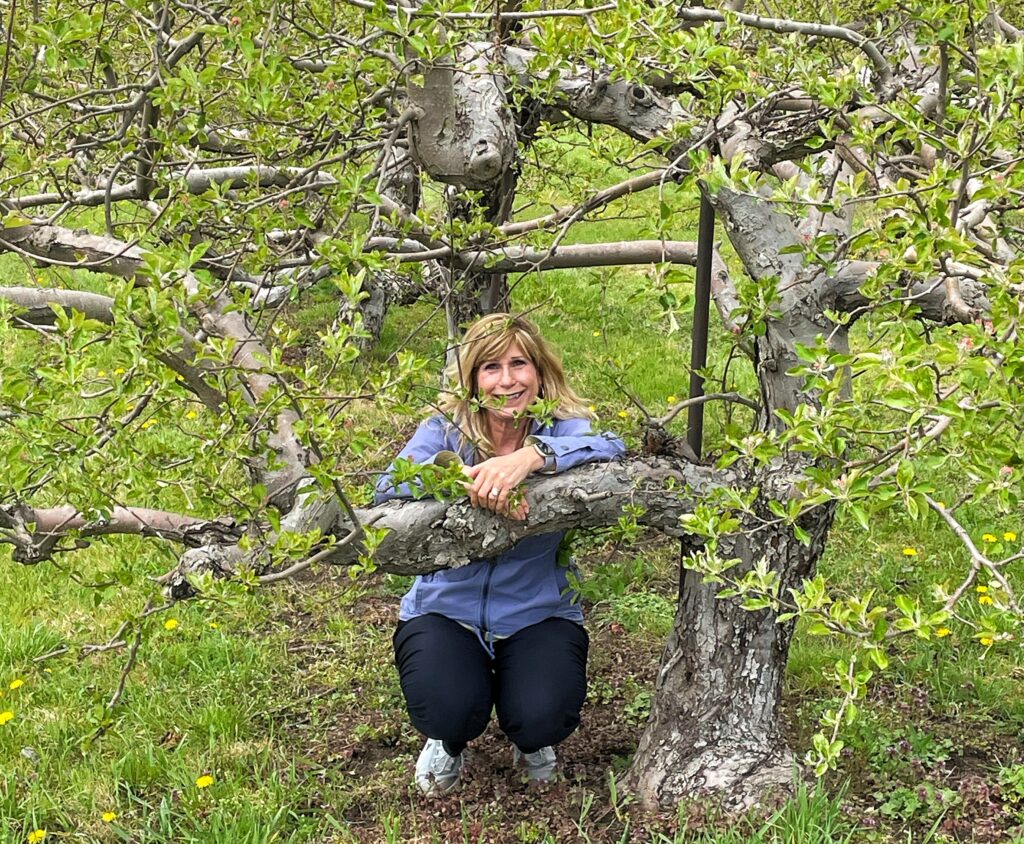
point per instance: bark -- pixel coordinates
(715, 719)
(193, 181)
(427, 535)
(38, 304)
(638, 110)
(715, 728)
(463, 133)
(424, 536)
(511, 259)
(36, 533)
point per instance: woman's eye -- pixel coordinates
(490, 367)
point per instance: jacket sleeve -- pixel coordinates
(573, 443)
(429, 441)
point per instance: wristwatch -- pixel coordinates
(546, 452)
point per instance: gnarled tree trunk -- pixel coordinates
(715, 726)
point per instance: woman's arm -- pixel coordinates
(569, 443)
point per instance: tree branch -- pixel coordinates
(428, 535)
(52, 244)
(884, 82)
(38, 304)
(841, 291)
(193, 181)
(527, 259)
(36, 533)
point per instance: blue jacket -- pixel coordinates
(523, 586)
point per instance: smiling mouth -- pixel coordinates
(512, 397)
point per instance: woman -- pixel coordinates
(505, 632)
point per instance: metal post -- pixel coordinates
(701, 315)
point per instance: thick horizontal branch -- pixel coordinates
(428, 535)
(528, 259)
(842, 292)
(481, 16)
(63, 247)
(38, 304)
(191, 181)
(575, 256)
(425, 536)
(36, 532)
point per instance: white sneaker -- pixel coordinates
(436, 771)
(539, 766)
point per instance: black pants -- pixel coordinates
(537, 681)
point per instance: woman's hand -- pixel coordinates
(496, 479)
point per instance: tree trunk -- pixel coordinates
(476, 293)
(715, 726)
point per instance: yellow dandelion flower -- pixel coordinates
(119, 371)
(909, 552)
(1009, 536)
(17, 684)
(214, 625)
(981, 590)
(671, 399)
(987, 641)
(988, 537)
(170, 624)
(6, 716)
(149, 423)
(592, 408)
(36, 836)
(942, 632)
(623, 414)
(205, 781)
(101, 374)
(191, 415)
(597, 333)
(985, 600)
(109, 817)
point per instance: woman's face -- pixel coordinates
(508, 384)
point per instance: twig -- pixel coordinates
(122, 682)
(730, 397)
(324, 554)
(63, 649)
(7, 49)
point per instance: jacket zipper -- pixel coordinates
(484, 598)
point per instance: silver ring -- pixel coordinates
(494, 493)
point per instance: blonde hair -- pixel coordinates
(488, 339)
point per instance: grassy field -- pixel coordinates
(276, 716)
